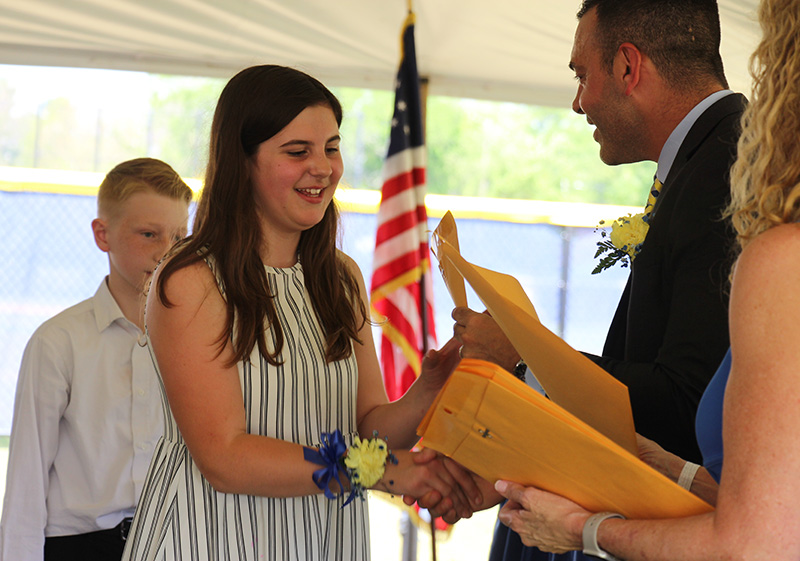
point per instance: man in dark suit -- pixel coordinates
(650, 79)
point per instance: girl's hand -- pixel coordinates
(438, 365)
(413, 479)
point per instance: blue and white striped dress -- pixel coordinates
(181, 517)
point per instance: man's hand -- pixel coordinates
(659, 459)
(482, 338)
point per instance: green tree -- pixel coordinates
(60, 137)
(365, 134)
(179, 124)
(519, 151)
(476, 148)
(13, 129)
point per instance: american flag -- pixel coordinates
(402, 294)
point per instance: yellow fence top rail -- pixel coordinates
(365, 201)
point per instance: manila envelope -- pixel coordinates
(497, 426)
(570, 379)
(446, 231)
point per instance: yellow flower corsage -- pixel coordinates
(366, 460)
(624, 242)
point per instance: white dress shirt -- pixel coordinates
(87, 416)
(678, 135)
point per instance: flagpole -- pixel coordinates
(423, 94)
(423, 296)
(422, 299)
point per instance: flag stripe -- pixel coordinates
(401, 225)
(403, 242)
(412, 157)
(405, 181)
(401, 203)
(406, 264)
(392, 280)
(405, 330)
(401, 374)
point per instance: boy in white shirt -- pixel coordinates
(88, 412)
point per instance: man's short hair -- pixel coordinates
(681, 37)
(134, 176)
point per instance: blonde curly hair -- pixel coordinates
(765, 179)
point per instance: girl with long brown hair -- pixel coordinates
(259, 330)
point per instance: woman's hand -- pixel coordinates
(542, 519)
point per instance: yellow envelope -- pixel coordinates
(500, 428)
(570, 379)
(446, 231)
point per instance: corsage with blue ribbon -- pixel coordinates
(329, 455)
(362, 465)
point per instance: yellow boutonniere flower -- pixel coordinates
(367, 461)
(624, 242)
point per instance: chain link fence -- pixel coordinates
(50, 262)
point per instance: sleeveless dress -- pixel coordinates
(181, 517)
(708, 423)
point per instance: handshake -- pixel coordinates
(438, 484)
(435, 482)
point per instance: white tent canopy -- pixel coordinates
(512, 50)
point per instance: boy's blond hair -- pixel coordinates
(134, 176)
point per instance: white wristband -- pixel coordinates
(590, 546)
(687, 475)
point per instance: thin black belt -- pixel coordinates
(120, 530)
(123, 528)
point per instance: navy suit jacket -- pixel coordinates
(670, 330)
